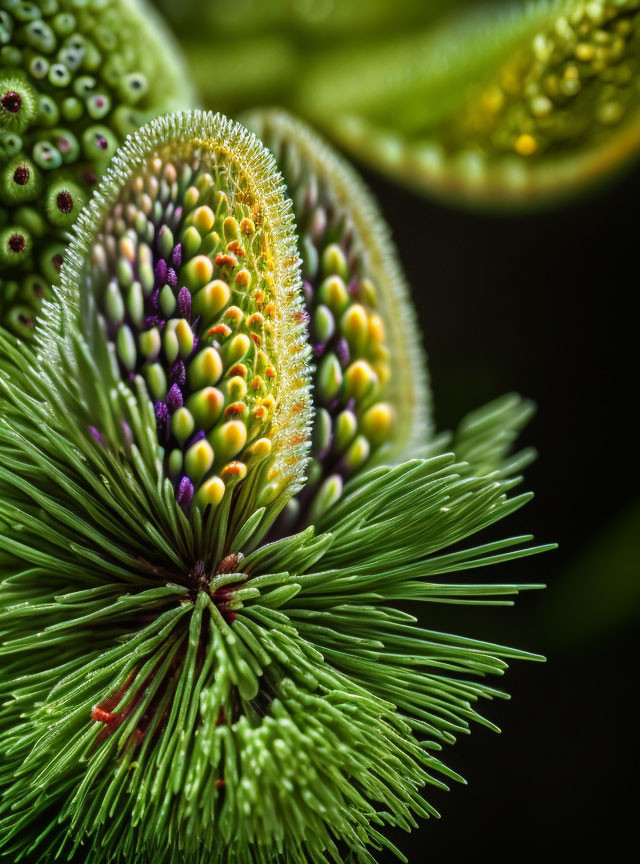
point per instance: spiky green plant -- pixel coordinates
(75, 79)
(179, 682)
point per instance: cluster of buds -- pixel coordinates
(368, 399)
(196, 283)
(573, 81)
(75, 79)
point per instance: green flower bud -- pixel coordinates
(322, 431)
(346, 426)
(154, 373)
(329, 379)
(135, 304)
(198, 460)
(113, 303)
(333, 293)
(150, 344)
(182, 424)
(334, 262)
(126, 345)
(205, 369)
(228, 439)
(18, 102)
(210, 493)
(323, 324)
(235, 348)
(167, 301)
(191, 241)
(357, 454)
(206, 406)
(197, 272)
(175, 463)
(377, 423)
(211, 299)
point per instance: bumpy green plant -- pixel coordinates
(500, 105)
(514, 102)
(181, 681)
(75, 79)
(361, 321)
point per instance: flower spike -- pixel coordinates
(371, 392)
(184, 277)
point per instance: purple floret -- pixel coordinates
(185, 494)
(174, 398)
(184, 302)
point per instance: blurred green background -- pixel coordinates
(530, 299)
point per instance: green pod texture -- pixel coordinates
(75, 79)
(371, 392)
(185, 679)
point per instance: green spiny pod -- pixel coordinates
(75, 79)
(498, 106)
(370, 389)
(178, 684)
(204, 335)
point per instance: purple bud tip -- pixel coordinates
(184, 302)
(178, 374)
(195, 346)
(161, 271)
(318, 349)
(307, 289)
(151, 321)
(199, 436)
(97, 435)
(353, 287)
(162, 414)
(153, 298)
(174, 398)
(185, 494)
(342, 352)
(176, 256)
(127, 434)
(172, 279)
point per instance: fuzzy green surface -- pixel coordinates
(83, 76)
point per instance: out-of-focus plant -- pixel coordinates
(496, 106)
(491, 104)
(75, 79)
(187, 676)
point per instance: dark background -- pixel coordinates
(541, 303)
